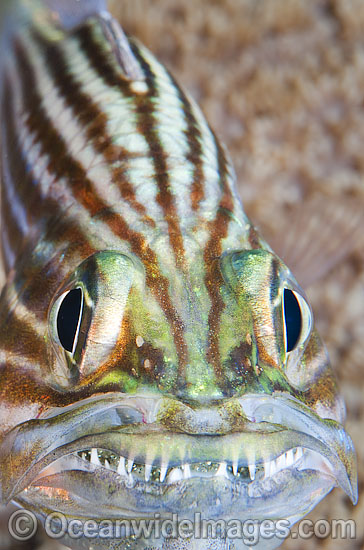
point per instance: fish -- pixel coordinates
(158, 359)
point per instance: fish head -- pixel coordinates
(220, 402)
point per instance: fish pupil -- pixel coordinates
(68, 318)
(293, 319)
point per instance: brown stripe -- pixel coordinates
(146, 126)
(21, 339)
(39, 209)
(253, 238)
(213, 280)
(21, 386)
(14, 233)
(61, 163)
(43, 214)
(100, 62)
(93, 120)
(17, 174)
(195, 153)
(155, 281)
(263, 355)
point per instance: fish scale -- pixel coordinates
(156, 354)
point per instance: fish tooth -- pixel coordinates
(267, 468)
(163, 473)
(222, 470)
(186, 471)
(252, 469)
(289, 458)
(147, 472)
(130, 465)
(235, 467)
(107, 465)
(298, 454)
(281, 462)
(95, 457)
(121, 467)
(175, 475)
(273, 467)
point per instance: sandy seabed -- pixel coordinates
(282, 84)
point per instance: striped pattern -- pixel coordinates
(94, 161)
(87, 140)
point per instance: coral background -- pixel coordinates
(282, 83)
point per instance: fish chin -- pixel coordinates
(120, 455)
(287, 494)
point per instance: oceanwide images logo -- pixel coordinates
(23, 526)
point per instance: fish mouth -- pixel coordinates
(125, 454)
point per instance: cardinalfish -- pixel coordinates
(157, 357)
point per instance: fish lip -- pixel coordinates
(74, 428)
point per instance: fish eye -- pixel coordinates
(69, 317)
(297, 319)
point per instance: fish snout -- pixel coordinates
(199, 420)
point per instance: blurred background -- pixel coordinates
(282, 84)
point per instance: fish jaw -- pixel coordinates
(138, 456)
